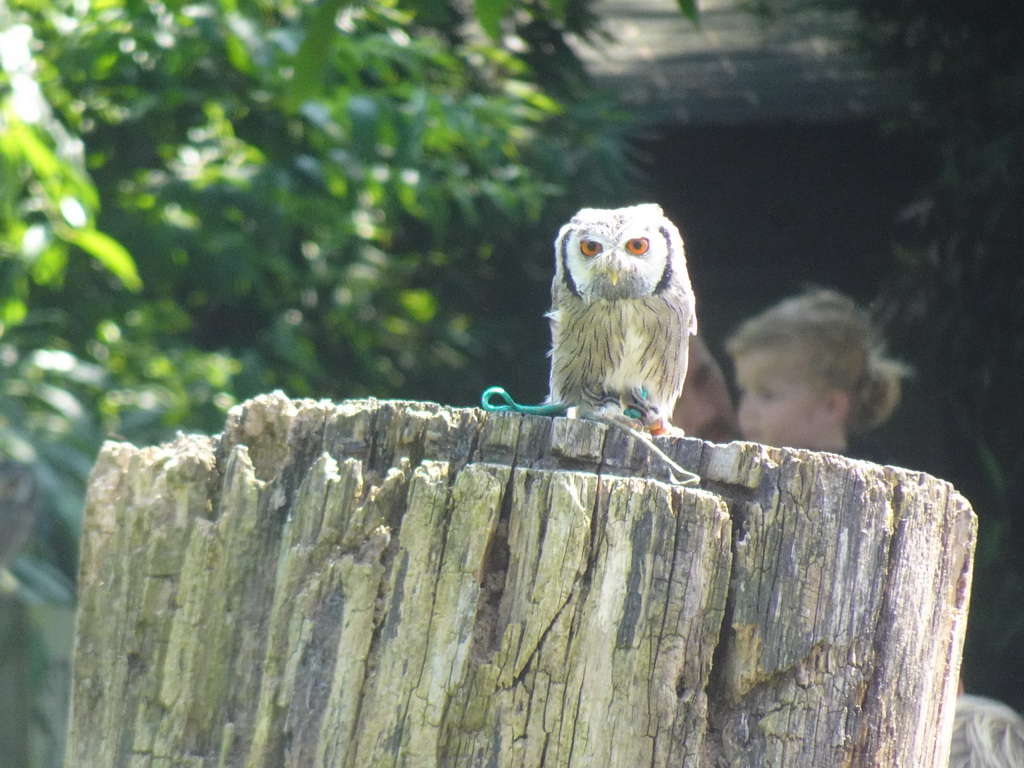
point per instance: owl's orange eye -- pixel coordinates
(638, 246)
(590, 247)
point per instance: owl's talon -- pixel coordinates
(661, 427)
(635, 424)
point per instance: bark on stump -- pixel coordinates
(379, 583)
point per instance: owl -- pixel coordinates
(622, 312)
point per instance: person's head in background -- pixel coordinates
(811, 373)
(705, 409)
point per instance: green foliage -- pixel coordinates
(333, 199)
(292, 231)
(200, 202)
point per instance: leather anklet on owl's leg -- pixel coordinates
(604, 406)
(649, 414)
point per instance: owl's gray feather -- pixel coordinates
(620, 322)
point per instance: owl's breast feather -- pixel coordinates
(618, 346)
(636, 333)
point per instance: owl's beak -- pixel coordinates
(611, 271)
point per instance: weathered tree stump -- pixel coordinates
(386, 583)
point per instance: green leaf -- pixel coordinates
(241, 36)
(40, 582)
(690, 10)
(56, 175)
(41, 158)
(419, 304)
(490, 13)
(108, 252)
(12, 311)
(313, 54)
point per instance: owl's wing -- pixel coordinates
(570, 341)
(554, 314)
(688, 298)
(554, 320)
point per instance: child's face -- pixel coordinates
(779, 406)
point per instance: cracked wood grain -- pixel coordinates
(404, 584)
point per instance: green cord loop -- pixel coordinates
(508, 404)
(546, 409)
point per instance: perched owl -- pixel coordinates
(622, 312)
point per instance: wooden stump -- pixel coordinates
(381, 583)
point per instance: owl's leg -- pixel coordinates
(606, 405)
(650, 414)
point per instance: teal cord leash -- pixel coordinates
(547, 409)
(508, 405)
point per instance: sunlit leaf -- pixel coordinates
(110, 253)
(420, 304)
(51, 264)
(311, 59)
(243, 38)
(73, 212)
(43, 160)
(55, 174)
(12, 310)
(490, 13)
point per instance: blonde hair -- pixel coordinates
(839, 347)
(986, 733)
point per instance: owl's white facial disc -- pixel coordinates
(622, 253)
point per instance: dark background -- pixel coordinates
(767, 209)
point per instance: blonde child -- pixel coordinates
(811, 373)
(986, 734)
